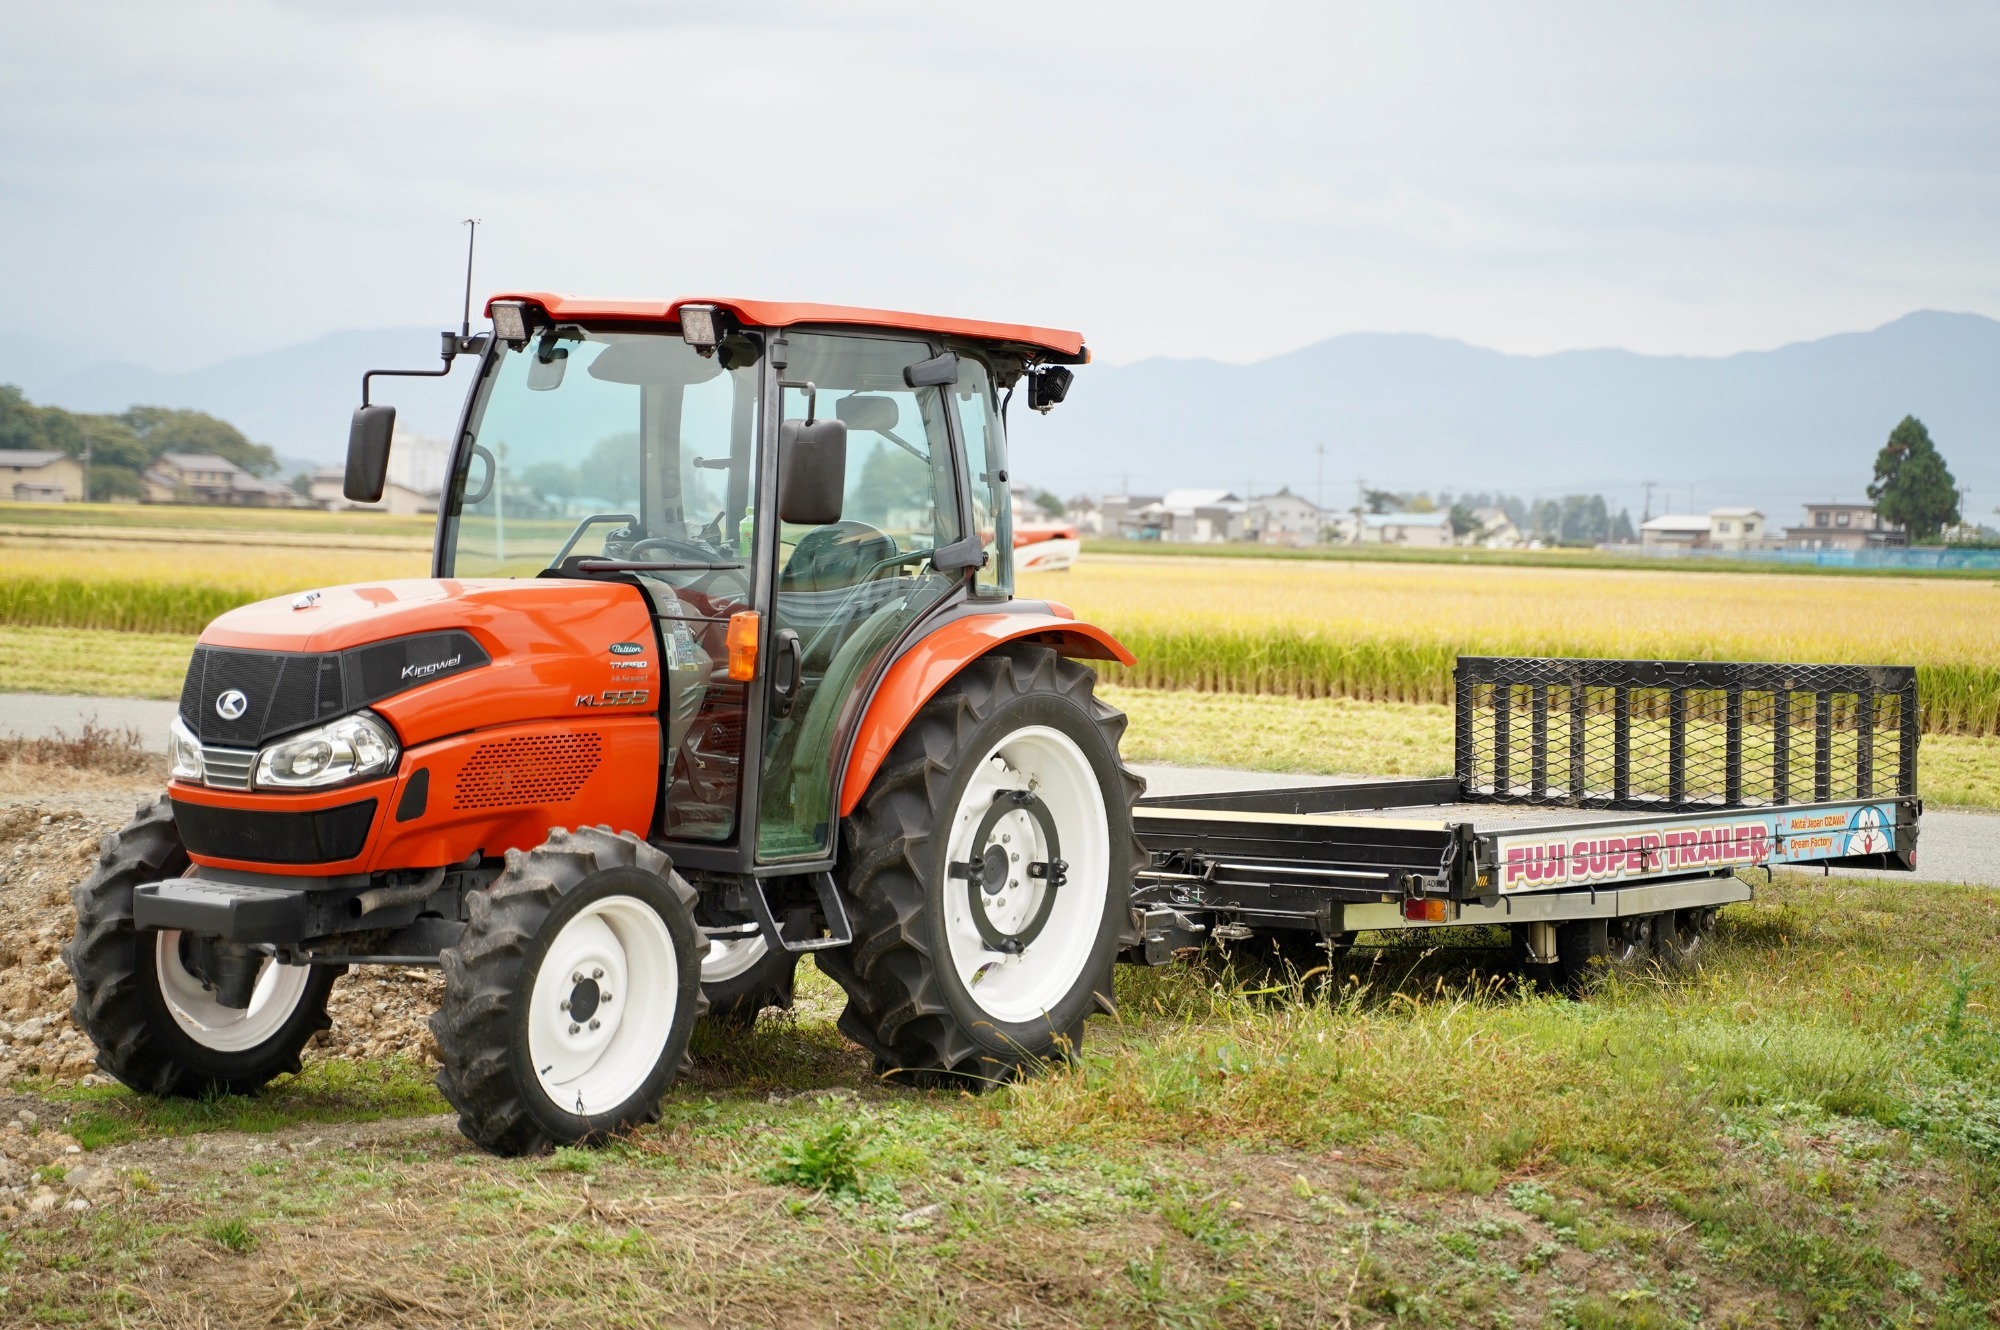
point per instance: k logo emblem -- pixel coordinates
(232, 704)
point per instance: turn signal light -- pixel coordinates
(1424, 910)
(743, 646)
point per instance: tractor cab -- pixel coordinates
(793, 495)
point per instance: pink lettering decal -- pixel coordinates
(1517, 858)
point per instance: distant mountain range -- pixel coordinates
(1400, 411)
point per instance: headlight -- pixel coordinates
(185, 750)
(348, 749)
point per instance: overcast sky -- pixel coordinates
(183, 182)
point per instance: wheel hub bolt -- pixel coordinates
(594, 1022)
(605, 996)
(597, 974)
(564, 1004)
(573, 1027)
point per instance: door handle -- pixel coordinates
(787, 665)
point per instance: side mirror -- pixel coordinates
(940, 371)
(812, 471)
(368, 452)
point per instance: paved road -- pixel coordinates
(1956, 847)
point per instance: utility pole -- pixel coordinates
(86, 470)
(1319, 491)
(1647, 515)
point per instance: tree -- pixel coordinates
(1913, 487)
(1621, 529)
(1048, 504)
(1463, 523)
(166, 430)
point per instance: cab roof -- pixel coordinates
(1060, 344)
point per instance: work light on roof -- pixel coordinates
(510, 321)
(698, 327)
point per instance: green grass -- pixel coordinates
(1338, 737)
(143, 518)
(326, 1091)
(1804, 1131)
(93, 662)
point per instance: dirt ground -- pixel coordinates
(49, 842)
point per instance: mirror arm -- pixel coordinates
(812, 396)
(454, 345)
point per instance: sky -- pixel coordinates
(187, 182)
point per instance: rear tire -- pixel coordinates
(968, 967)
(569, 1001)
(156, 1027)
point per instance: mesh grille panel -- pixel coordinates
(527, 769)
(1659, 734)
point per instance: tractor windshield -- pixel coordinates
(608, 445)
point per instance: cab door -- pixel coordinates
(846, 591)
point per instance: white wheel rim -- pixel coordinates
(594, 1033)
(732, 955)
(1018, 988)
(201, 1018)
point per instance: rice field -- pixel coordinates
(1391, 632)
(1373, 632)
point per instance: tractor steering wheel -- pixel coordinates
(694, 551)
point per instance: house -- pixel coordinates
(1118, 516)
(29, 475)
(1735, 529)
(207, 479)
(1283, 518)
(1844, 526)
(1416, 529)
(327, 489)
(1203, 516)
(1685, 531)
(1495, 530)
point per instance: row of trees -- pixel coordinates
(1574, 519)
(122, 446)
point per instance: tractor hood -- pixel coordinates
(435, 656)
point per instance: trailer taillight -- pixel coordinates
(743, 646)
(1424, 910)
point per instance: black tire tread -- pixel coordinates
(482, 973)
(111, 1005)
(896, 1008)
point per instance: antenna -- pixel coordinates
(465, 321)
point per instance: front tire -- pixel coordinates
(989, 868)
(157, 1028)
(569, 1001)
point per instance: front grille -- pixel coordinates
(286, 691)
(256, 836)
(227, 768)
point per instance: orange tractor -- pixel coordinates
(719, 663)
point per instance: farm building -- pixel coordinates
(29, 475)
(1419, 529)
(1844, 526)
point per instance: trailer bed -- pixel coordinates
(1582, 789)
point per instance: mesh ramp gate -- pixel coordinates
(1682, 735)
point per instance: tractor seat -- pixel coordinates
(831, 558)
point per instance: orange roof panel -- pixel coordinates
(782, 314)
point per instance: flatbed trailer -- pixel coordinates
(1585, 791)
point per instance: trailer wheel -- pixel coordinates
(569, 1001)
(989, 868)
(157, 1027)
(1682, 936)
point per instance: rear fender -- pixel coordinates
(930, 662)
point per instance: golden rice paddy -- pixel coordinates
(1391, 632)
